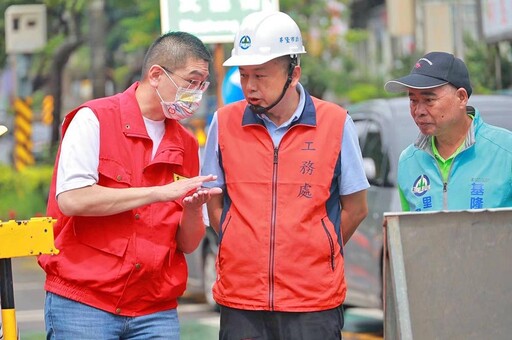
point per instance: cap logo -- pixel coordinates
(418, 65)
(245, 42)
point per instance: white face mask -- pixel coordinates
(186, 102)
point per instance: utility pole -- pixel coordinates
(97, 29)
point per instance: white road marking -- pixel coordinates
(369, 312)
(34, 315)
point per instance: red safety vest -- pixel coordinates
(280, 240)
(126, 263)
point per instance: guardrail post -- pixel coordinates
(7, 299)
(20, 238)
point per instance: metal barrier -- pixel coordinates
(448, 275)
(20, 238)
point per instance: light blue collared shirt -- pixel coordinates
(351, 180)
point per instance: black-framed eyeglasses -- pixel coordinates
(193, 84)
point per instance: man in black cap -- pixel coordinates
(458, 162)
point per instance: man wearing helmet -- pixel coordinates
(294, 192)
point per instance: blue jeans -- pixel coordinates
(67, 319)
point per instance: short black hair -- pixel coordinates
(173, 50)
(288, 61)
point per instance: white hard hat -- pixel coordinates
(264, 36)
(3, 129)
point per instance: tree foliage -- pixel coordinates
(330, 66)
(131, 26)
(482, 60)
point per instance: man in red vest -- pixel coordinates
(127, 198)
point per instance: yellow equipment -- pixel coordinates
(20, 238)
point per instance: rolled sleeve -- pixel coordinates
(79, 153)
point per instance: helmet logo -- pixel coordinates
(245, 42)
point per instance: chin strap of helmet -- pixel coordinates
(257, 109)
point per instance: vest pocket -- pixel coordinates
(110, 234)
(223, 229)
(114, 174)
(331, 244)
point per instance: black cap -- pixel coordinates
(432, 70)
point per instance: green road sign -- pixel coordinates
(213, 21)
